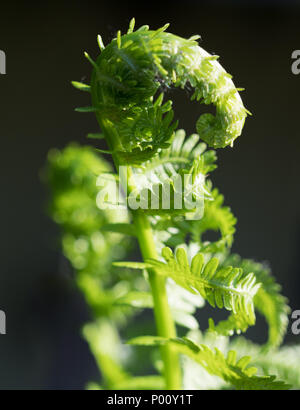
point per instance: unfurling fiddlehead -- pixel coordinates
(129, 72)
(140, 132)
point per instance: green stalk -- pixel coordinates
(164, 322)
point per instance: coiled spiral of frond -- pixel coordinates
(129, 72)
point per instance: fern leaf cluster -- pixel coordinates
(130, 70)
(167, 171)
(268, 300)
(283, 362)
(181, 269)
(235, 372)
(225, 288)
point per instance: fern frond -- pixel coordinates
(235, 372)
(129, 72)
(225, 287)
(175, 230)
(181, 154)
(72, 174)
(195, 376)
(220, 287)
(217, 218)
(144, 131)
(268, 300)
(233, 324)
(173, 182)
(283, 363)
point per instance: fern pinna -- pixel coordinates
(180, 271)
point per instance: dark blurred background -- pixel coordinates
(44, 43)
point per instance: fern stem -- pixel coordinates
(164, 321)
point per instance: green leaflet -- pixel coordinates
(171, 183)
(268, 300)
(72, 174)
(128, 73)
(194, 375)
(155, 120)
(233, 371)
(81, 86)
(284, 362)
(216, 217)
(178, 173)
(225, 287)
(234, 323)
(180, 154)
